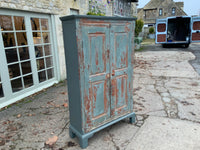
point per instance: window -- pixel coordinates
(160, 12)
(27, 54)
(173, 11)
(42, 46)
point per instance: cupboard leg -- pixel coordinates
(83, 142)
(132, 119)
(71, 133)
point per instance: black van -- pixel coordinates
(178, 30)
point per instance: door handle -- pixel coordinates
(113, 73)
(108, 75)
(197, 31)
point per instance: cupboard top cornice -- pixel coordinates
(71, 17)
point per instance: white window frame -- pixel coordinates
(173, 11)
(9, 96)
(160, 12)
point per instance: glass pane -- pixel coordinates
(45, 36)
(19, 23)
(35, 24)
(40, 64)
(11, 55)
(37, 38)
(6, 23)
(38, 51)
(16, 85)
(44, 24)
(24, 53)
(28, 81)
(42, 76)
(8, 39)
(1, 91)
(26, 67)
(50, 73)
(47, 50)
(49, 62)
(14, 70)
(21, 38)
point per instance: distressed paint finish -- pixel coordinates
(97, 68)
(103, 53)
(121, 68)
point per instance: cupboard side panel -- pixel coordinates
(73, 80)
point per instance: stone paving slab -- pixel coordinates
(160, 133)
(165, 85)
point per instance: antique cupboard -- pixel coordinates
(99, 60)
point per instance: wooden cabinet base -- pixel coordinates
(83, 138)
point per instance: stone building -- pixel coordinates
(31, 42)
(156, 9)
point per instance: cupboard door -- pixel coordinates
(121, 68)
(96, 75)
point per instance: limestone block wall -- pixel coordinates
(56, 8)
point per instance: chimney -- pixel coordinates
(180, 4)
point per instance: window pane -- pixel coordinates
(1, 91)
(6, 23)
(37, 38)
(19, 23)
(8, 39)
(11, 55)
(45, 36)
(44, 24)
(21, 38)
(24, 53)
(40, 64)
(16, 85)
(26, 67)
(50, 73)
(28, 81)
(42, 76)
(38, 51)
(14, 70)
(49, 62)
(35, 24)
(47, 50)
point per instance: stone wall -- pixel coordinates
(57, 8)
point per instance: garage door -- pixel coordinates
(27, 56)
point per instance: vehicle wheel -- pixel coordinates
(186, 45)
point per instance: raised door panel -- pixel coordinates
(121, 70)
(96, 109)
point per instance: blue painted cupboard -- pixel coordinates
(99, 60)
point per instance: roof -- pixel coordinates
(153, 4)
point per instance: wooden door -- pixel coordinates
(121, 68)
(96, 74)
